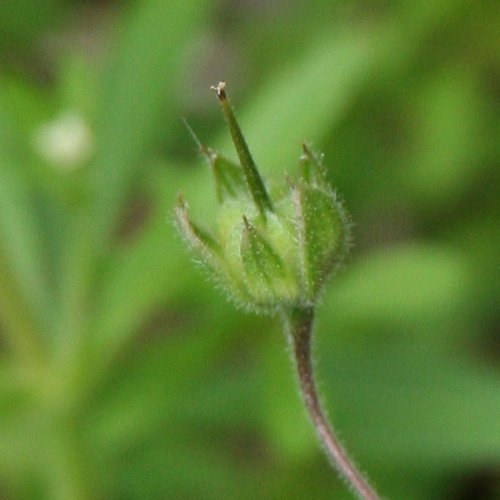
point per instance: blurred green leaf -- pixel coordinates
(412, 404)
(21, 240)
(401, 286)
(139, 85)
(135, 89)
(20, 24)
(450, 118)
(141, 275)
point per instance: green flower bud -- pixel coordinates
(268, 253)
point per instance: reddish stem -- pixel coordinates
(299, 322)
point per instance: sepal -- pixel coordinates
(228, 177)
(312, 170)
(322, 232)
(199, 240)
(267, 276)
(254, 181)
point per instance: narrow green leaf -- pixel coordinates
(136, 89)
(22, 239)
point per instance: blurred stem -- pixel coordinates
(75, 297)
(299, 329)
(69, 475)
(18, 324)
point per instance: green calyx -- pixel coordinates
(268, 253)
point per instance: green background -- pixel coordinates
(123, 374)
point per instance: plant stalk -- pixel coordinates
(299, 328)
(18, 325)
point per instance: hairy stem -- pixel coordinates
(299, 326)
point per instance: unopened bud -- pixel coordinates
(269, 253)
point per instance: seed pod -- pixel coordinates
(268, 253)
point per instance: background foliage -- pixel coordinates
(122, 374)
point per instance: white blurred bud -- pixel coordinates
(66, 142)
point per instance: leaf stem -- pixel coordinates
(299, 329)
